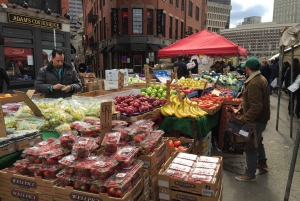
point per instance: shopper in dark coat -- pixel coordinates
(274, 72)
(3, 77)
(82, 67)
(195, 69)
(182, 70)
(288, 82)
(58, 79)
(266, 71)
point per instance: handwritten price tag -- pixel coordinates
(147, 75)
(121, 81)
(29, 103)
(2, 123)
(106, 118)
(168, 91)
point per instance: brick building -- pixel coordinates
(29, 37)
(128, 33)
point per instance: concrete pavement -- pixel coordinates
(279, 150)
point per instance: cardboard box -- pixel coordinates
(147, 195)
(113, 75)
(29, 184)
(96, 93)
(87, 75)
(28, 142)
(109, 85)
(13, 99)
(93, 86)
(148, 115)
(69, 194)
(8, 149)
(13, 194)
(182, 139)
(146, 180)
(205, 188)
(152, 160)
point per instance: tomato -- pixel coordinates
(171, 145)
(177, 143)
(119, 194)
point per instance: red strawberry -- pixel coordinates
(119, 194)
(102, 189)
(111, 192)
(137, 139)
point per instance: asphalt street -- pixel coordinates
(279, 150)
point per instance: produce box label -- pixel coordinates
(23, 183)
(80, 197)
(24, 196)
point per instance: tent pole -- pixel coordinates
(281, 55)
(292, 95)
(292, 167)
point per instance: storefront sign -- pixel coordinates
(33, 21)
(159, 24)
(114, 21)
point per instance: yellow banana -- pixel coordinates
(194, 103)
(188, 101)
(193, 111)
(162, 111)
(181, 112)
(169, 110)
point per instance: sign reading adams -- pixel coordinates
(33, 21)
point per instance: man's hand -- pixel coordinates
(57, 87)
(68, 88)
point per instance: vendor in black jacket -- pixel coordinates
(58, 79)
(182, 69)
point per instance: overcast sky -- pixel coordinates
(242, 9)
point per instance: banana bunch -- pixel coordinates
(185, 109)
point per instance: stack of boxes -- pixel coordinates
(112, 77)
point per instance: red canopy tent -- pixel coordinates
(204, 42)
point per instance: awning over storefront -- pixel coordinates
(154, 47)
(120, 48)
(109, 48)
(138, 47)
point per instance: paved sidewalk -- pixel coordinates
(279, 149)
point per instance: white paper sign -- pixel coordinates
(244, 133)
(30, 60)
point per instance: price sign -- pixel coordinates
(23, 96)
(168, 91)
(121, 81)
(178, 93)
(175, 74)
(2, 123)
(216, 92)
(30, 93)
(147, 75)
(105, 118)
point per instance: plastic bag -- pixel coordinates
(274, 83)
(63, 127)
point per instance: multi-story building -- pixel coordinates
(31, 30)
(217, 16)
(224, 2)
(259, 39)
(252, 20)
(286, 11)
(75, 7)
(128, 33)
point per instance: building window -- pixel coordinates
(171, 27)
(190, 9)
(164, 24)
(100, 4)
(19, 63)
(105, 28)
(190, 30)
(137, 21)
(176, 29)
(103, 2)
(177, 4)
(125, 21)
(182, 29)
(149, 22)
(171, 2)
(182, 5)
(54, 5)
(197, 13)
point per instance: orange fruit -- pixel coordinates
(7, 95)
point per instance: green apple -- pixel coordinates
(144, 93)
(154, 91)
(143, 90)
(182, 94)
(157, 87)
(158, 95)
(164, 95)
(152, 86)
(160, 90)
(153, 95)
(164, 87)
(173, 92)
(148, 91)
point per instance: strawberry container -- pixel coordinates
(116, 123)
(53, 156)
(207, 159)
(81, 183)
(83, 167)
(65, 179)
(126, 156)
(77, 125)
(180, 168)
(134, 170)
(83, 147)
(111, 141)
(144, 123)
(45, 143)
(124, 133)
(176, 174)
(67, 139)
(12, 170)
(22, 166)
(68, 163)
(156, 135)
(139, 132)
(186, 156)
(50, 171)
(92, 120)
(199, 178)
(145, 147)
(35, 170)
(90, 131)
(206, 172)
(97, 186)
(181, 161)
(32, 154)
(118, 184)
(204, 165)
(104, 168)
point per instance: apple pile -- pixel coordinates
(130, 105)
(183, 89)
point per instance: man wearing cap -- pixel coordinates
(256, 107)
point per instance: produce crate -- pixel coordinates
(30, 184)
(182, 140)
(13, 194)
(28, 142)
(8, 149)
(13, 99)
(204, 188)
(148, 115)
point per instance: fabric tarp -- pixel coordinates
(203, 124)
(154, 47)
(205, 43)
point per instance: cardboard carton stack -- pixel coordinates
(112, 77)
(191, 177)
(87, 77)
